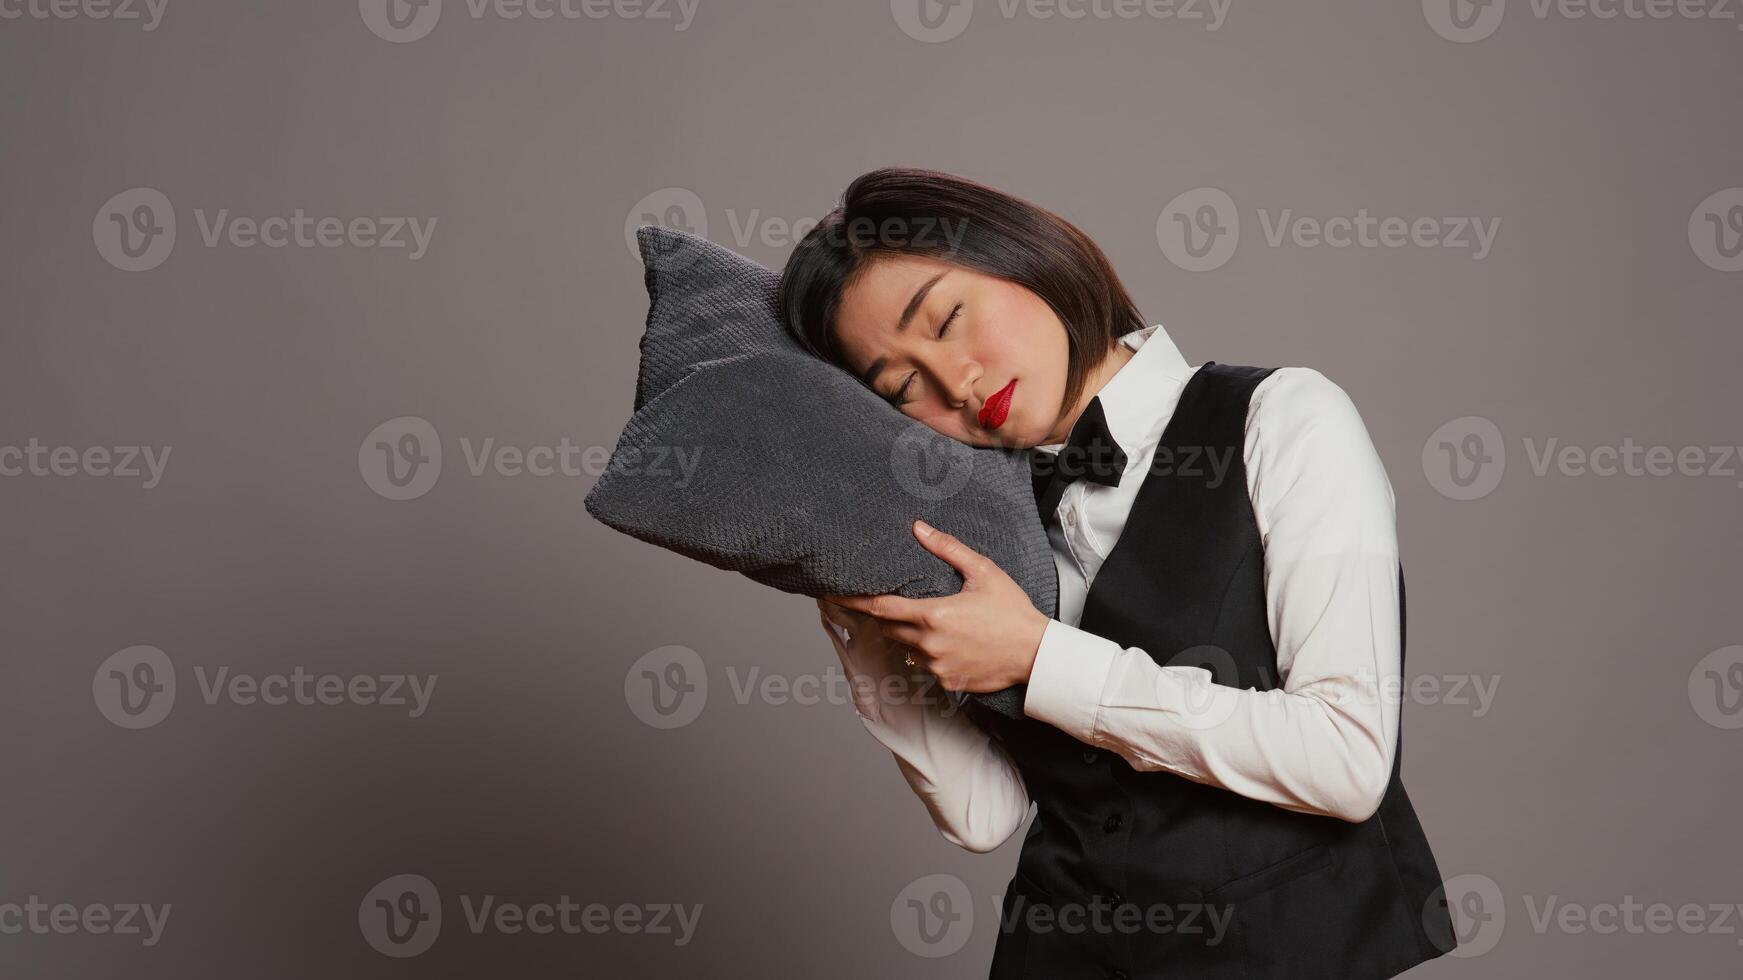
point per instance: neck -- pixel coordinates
(1098, 379)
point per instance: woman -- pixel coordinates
(1211, 720)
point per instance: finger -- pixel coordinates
(889, 606)
(833, 628)
(906, 635)
(969, 562)
(834, 606)
(846, 619)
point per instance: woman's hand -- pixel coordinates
(864, 651)
(877, 673)
(983, 638)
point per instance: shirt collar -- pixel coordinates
(1138, 399)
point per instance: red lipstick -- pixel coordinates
(995, 408)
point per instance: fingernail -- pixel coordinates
(924, 529)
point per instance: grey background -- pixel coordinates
(1588, 600)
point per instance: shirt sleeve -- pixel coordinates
(1324, 742)
(968, 783)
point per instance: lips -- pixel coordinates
(994, 410)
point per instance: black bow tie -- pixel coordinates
(1090, 452)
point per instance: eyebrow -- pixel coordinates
(876, 367)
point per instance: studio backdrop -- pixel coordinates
(320, 321)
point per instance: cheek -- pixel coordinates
(1027, 345)
(1010, 341)
(1023, 321)
(944, 422)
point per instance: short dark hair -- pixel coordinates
(920, 212)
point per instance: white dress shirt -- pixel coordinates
(1322, 743)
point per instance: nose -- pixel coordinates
(956, 379)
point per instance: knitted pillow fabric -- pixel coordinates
(749, 453)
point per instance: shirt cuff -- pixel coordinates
(1065, 685)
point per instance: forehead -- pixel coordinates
(873, 303)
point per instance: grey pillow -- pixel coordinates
(749, 453)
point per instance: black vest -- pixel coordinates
(1223, 886)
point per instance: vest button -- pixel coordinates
(1112, 824)
(1119, 975)
(1090, 755)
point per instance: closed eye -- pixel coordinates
(897, 398)
(946, 324)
